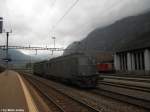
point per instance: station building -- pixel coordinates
(134, 56)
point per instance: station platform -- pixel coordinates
(15, 95)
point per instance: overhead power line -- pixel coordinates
(31, 48)
(69, 9)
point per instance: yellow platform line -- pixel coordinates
(31, 104)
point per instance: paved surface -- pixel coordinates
(14, 95)
(40, 101)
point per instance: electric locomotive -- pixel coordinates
(77, 69)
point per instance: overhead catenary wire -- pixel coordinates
(66, 13)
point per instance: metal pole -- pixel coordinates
(54, 44)
(54, 40)
(7, 34)
(1, 25)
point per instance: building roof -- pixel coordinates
(139, 42)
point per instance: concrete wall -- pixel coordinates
(117, 62)
(147, 60)
(129, 62)
(138, 62)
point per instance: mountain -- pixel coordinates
(18, 59)
(111, 37)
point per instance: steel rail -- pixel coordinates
(46, 95)
(124, 97)
(138, 79)
(75, 99)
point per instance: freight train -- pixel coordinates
(76, 69)
(104, 62)
(105, 67)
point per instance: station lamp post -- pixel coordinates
(54, 40)
(6, 59)
(54, 44)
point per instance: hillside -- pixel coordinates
(18, 58)
(111, 37)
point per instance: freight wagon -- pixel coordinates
(76, 69)
(106, 67)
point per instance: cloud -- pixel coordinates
(32, 20)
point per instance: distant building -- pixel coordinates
(134, 56)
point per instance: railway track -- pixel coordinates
(127, 78)
(93, 98)
(135, 91)
(62, 102)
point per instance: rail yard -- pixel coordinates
(128, 93)
(74, 55)
(85, 100)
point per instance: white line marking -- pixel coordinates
(31, 104)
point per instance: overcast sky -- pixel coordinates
(32, 21)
